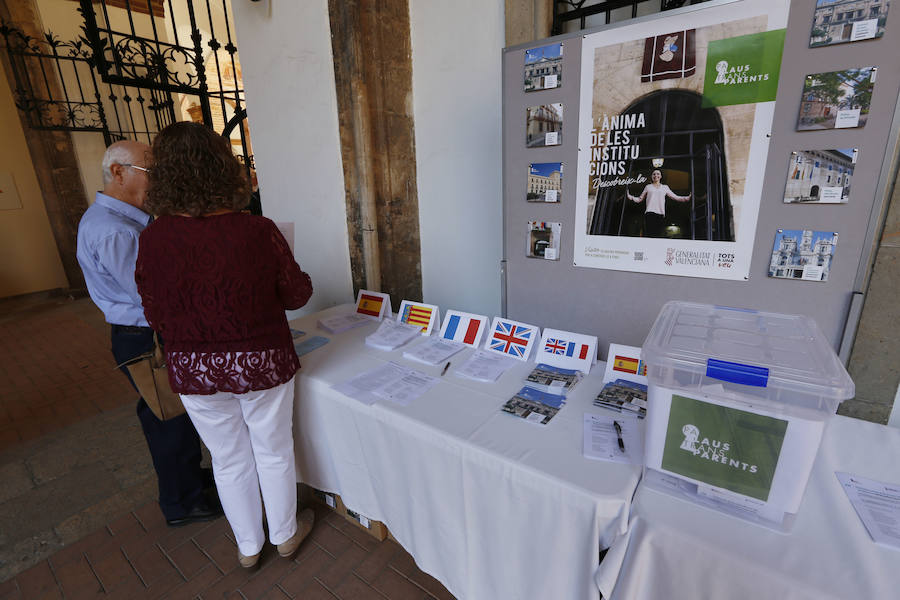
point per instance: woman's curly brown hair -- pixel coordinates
(194, 172)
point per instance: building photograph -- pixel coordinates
(835, 100)
(544, 178)
(543, 67)
(821, 176)
(840, 21)
(802, 254)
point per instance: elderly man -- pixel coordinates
(107, 250)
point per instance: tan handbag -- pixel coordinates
(151, 377)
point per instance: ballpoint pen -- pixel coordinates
(444, 370)
(619, 435)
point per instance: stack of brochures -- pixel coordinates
(390, 335)
(534, 405)
(553, 380)
(624, 396)
(433, 350)
(340, 323)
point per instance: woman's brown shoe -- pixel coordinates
(248, 562)
(304, 526)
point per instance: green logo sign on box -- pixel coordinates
(744, 69)
(723, 447)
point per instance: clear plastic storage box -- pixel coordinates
(737, 403)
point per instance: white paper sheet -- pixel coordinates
(433, 350)
(485, 366)
(414, 384)
(339, 323)
(363, 386)
(878, 506)
(601, 441)
(390, 335)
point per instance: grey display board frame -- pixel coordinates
(620, 306)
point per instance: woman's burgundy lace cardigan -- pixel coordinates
(215, 289)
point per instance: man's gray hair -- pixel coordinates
(117, 154)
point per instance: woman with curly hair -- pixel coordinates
(215, 283)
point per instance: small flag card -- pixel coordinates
(417, 313)
(512, 338)
(624, 362)
(373, 304)
(463, 327)
(568, 350)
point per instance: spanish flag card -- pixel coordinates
(624, 362)
(373, 304)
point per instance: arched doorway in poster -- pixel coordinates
(685, 142)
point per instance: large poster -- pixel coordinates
(673, 133)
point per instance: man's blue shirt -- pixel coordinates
(107, 251)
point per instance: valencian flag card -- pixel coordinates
(568, 350)
(512, 338)
(417, 313)
(463, 327)
(373, 304)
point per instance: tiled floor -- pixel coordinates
(137, 556)
(55, 369)
(77, 516)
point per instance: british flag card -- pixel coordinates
(463, 327)
(512, 338)
(568, 350)
(417, 313)
(373, 304)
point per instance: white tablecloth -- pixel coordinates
(676, 550)
(492, 506)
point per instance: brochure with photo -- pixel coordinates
(543, 67)
(624, 396)
(543, 125)
(553, 380)
(534, 405)
(802, 254)
(544, 182)
(842, 22)
(837, 99)
(543, 240)
(820, 176)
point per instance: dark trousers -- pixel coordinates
(174, 444)
(654, 225)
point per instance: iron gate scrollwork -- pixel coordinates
(138, 66)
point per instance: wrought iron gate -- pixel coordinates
(567, 11)
(138, 66)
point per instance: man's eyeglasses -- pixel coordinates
(144, 169)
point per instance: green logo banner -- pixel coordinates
(723, 447)
(744, 69)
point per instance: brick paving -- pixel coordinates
(138, 556)
(76, 509)
(55, 370)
